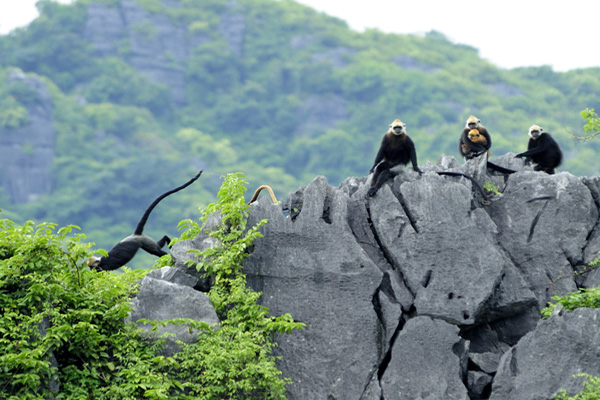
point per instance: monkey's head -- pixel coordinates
(535, 131)
(397, 127)
(475, 136)
(472, 122)
(94, 262)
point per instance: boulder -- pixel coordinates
(548, 358)
(161, 300)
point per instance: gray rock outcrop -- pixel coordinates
(166, 294)
(27, 150)
(564, 345)
(424, 292)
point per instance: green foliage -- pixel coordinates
(589, 298)
(62, 330)
(235, 361)
(491, 188)
(592, 124)
(56, 31)
(12, 113)
(120, 84)
(62, 325)
(591, 390)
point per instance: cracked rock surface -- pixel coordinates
(424, 292)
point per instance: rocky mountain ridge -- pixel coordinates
(422, 291)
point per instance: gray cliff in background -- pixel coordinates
(27, 151)
(422, 291)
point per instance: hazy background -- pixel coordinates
(512, 33)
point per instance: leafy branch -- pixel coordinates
(235, 361)
(592, 125)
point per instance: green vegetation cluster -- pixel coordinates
(586, 298)
(591, 390)
(262, 104)
(62, 329)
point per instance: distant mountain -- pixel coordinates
(115, 101)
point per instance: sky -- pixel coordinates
(508, 33)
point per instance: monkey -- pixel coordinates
(257, 192)
(543, 150)
(397, 148)
(475, 140)
(473, 144)
(125, 250)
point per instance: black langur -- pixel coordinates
(543, 150)
(475, 140)
(473, 144)
(126, 249)
(397, 148)
(257, 192)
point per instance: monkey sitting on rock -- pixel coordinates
(474, 140)
(543, 150)
(397, 148)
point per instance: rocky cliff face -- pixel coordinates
(156, 47)
(151, 43)
(422, 291)
(27, 151)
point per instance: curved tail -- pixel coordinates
(140, 226)
(498, 168)
(477, 185)
(257, 191)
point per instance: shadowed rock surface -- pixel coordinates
(422, 291)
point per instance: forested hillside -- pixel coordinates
(137, 95)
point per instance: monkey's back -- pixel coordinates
(120, 254)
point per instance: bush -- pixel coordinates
(589, 298)
(62, 326)
(591, 390)
(234, 362)
(63, 335)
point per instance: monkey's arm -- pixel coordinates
(466, 146)
(475, 147)
(488, 138)
(533, 152)
(413, 159)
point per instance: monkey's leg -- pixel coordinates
(380, 167)
(383, 175)
(164, 240)
(548, 170)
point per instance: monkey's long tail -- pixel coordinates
(140, 226)
(498, 168)
(477, 185)
(257, 191)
